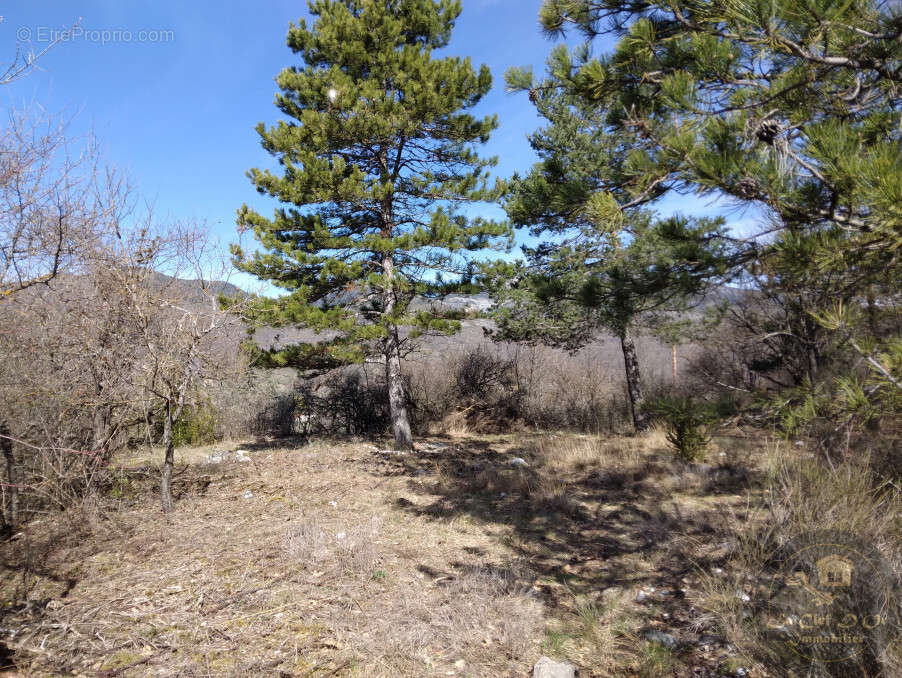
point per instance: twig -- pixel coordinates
(55, 449)
(873, 362)
(260, 614)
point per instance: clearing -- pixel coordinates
(338, 558)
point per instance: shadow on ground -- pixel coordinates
(649, 529)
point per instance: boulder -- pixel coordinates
(548, 668)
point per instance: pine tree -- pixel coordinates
(379, 156)
(565, 293)
(604, 262)
(789, 107)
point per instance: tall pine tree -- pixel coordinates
(379, 157)
(603, 264)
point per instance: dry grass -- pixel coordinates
(603, 633)
(301, 585)
(562, 454)
(350, 547)
(151, 456)
(803, 494)
(460, 618)
(339, 559)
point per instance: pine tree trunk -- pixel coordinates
(397, 403)
(812, 355)
(633, 380)
(10, 510)
(872, 310)
(168, 462)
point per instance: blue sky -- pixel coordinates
(173, 90)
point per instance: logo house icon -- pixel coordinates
(834, 571)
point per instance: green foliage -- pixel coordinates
(785, 105)
(860, 397)
(378, 155)
(196, 426)
(600, 265)
(789, 108)
(690, 423)
(564, 293)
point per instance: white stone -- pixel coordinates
(548, 668)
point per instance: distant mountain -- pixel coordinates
(193, 290)
(473, 330)
(478, 303)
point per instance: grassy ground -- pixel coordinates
(342, 559)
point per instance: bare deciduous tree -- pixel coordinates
(172, 280)
(56, 208)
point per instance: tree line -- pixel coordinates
(787, 110)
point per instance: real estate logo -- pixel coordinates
(831, 603)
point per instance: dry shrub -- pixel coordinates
(454, 425)
(806, 495)
(490, 387)
(576, 392)
(356, 549)
(306, 541)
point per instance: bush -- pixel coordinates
(354, 403)
(690, 423)
(494, 387)
(350, 401)
(196, 426)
